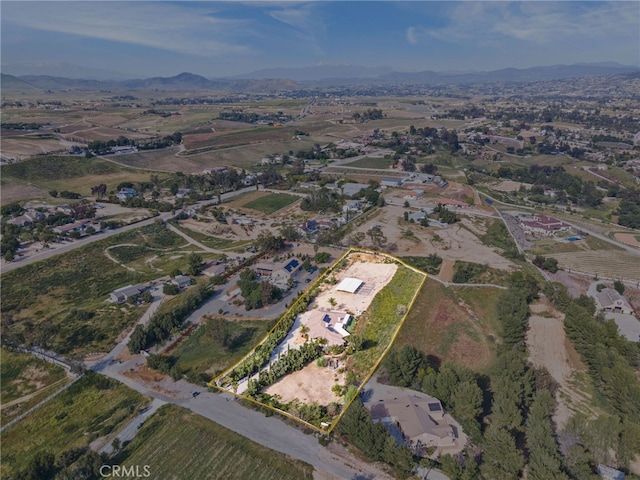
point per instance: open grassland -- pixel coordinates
(217, 345)
(92, 408)
(384, 317)
(77, 174)
(271, 203)
(26, 380)
(453, 324)
(605, 263)
(211, 241)
(62, 301)
(178, 444)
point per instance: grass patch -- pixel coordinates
(93, 407)
(24, 375)
(271, 203)
(60, 302)
(371, 162)
(469, 272)
(498, 236)
(209, 240)
(430, 264)
(381, 320)
(440, 325)
(205, 354)
(176, 443)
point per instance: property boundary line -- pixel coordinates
(214, 383)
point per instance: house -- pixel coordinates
(310, 227)
(420, 417)
(391, 182)
(544, 225)
(330, 325)
(183, 192)
(610, 300)
(79, 226)
(278, 273)
(413, 194)
(352, 189)
(609, 473)
(448, 202)
(121, 295)
(214, 270)
(126, 193)
(352, 206)
(27, 218)
(181, 281)
(222, 169)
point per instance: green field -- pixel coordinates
(26, 380)
(271, 203)
(92, 408)
(443, 328)
(384, 318)
(206, 354)
(77, 174)
(178, 444)
(371, 162)
(61, 302)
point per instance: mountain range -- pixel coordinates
(276, 79)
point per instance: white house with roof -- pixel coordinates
(610, 300)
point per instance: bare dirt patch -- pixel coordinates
(550, 348)
(17, 192)
(311, 384)
(375, 276)
(628, 238)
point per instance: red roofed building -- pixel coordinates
(544, 225)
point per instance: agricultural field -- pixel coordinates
(176, 443)
(604, 263)
(76, 174)
(26, 381)
(271, 203)
(61, 301)
(366, 319)
(89, 411)
(455, 324)
(371, 162)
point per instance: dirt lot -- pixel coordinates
(375, 276)
(311, 384)
(550, 348)
(17, 192)
(452, 243)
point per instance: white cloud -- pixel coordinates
(541, 23)
(412, 36)
(189, 30)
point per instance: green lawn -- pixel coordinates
(178, 444)
(271, 203)
(24, 375)
(92, 408)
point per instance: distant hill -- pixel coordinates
(15, 84)
(271, 80)
(318, 72)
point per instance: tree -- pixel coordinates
(322, 257)
(377, 236)
(332, 302)
(138, 340)
(403, 365)
(502, 459)
(195, 263)
(618, 286)
(170, 289)
(356, 343)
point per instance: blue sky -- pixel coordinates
(146, 38)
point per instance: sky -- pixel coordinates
(217, 39)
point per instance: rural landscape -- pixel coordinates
(329, 272)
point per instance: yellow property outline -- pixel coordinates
(214, 383)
